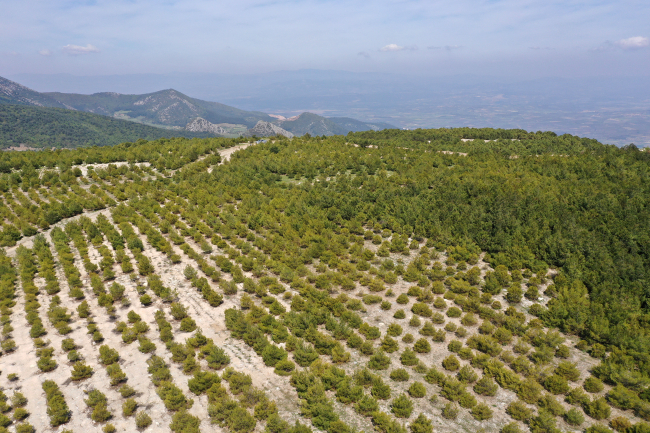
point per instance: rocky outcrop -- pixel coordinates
(201, 125)
(266, 129)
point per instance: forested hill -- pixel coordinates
(530, 233)
(57, 127)
(505, 142)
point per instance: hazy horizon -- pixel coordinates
(574, 66)
(529, 39)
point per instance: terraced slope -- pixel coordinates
(180, 286)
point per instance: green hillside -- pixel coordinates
(478, 280)
(165, 107)
(57, 127)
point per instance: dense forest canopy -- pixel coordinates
(44, 127)
(530, 200)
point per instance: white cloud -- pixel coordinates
(78, 49)
(392, 47)
(395, 47)
(45, 52)
(633, 43)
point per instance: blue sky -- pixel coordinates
(519, 38)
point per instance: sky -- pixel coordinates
(524, 38)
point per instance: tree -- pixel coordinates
(451, 363)
(81, 371)
(421, 424)
(402, 406)
(417, 390)
(486, 386)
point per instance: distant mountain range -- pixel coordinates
(169, 111)
(610, 109)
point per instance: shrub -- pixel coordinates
(574, 417)
(481, 412)
(467, 374)
(402, 406)
(556, 384)
(562, 351)
(469, 319)
(81, 371)
(502, 335)
(187, 324)
(593, 384)
(126, 391)
(512, 427)
(454, 312)
(46, 363)
(101, 413)
(409, 358)
(273, 354)
(486, 386)
(20, 414)
(402, 299)
(389, 345)
(399, 375)
(450, 411)
(25, 428)
(146, 300)
(551, 405)
(455, 346)
(529, 391)
(379, 361)
(215, 356)
(5, 421)
(417, 390)
(597, 428)
(514, 294)
(202, 381)
(394, 330)
(408, 338)
(183, 422)
(568, 370)
(620, 424)
(422, 346)
(451, 363)
(399, 314)
(622, 398)
(18, 399)
(366, 405)
(284, 367)
(107, 355)
(367, 348)
(544, 422)
(173, 397)
(380, 390)
(115, 374)
(129, 406)
(597, 409)
(142, 420)
(467, 400)
(68, 345)
(421, 424)
(519, 411)
(146, 345)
